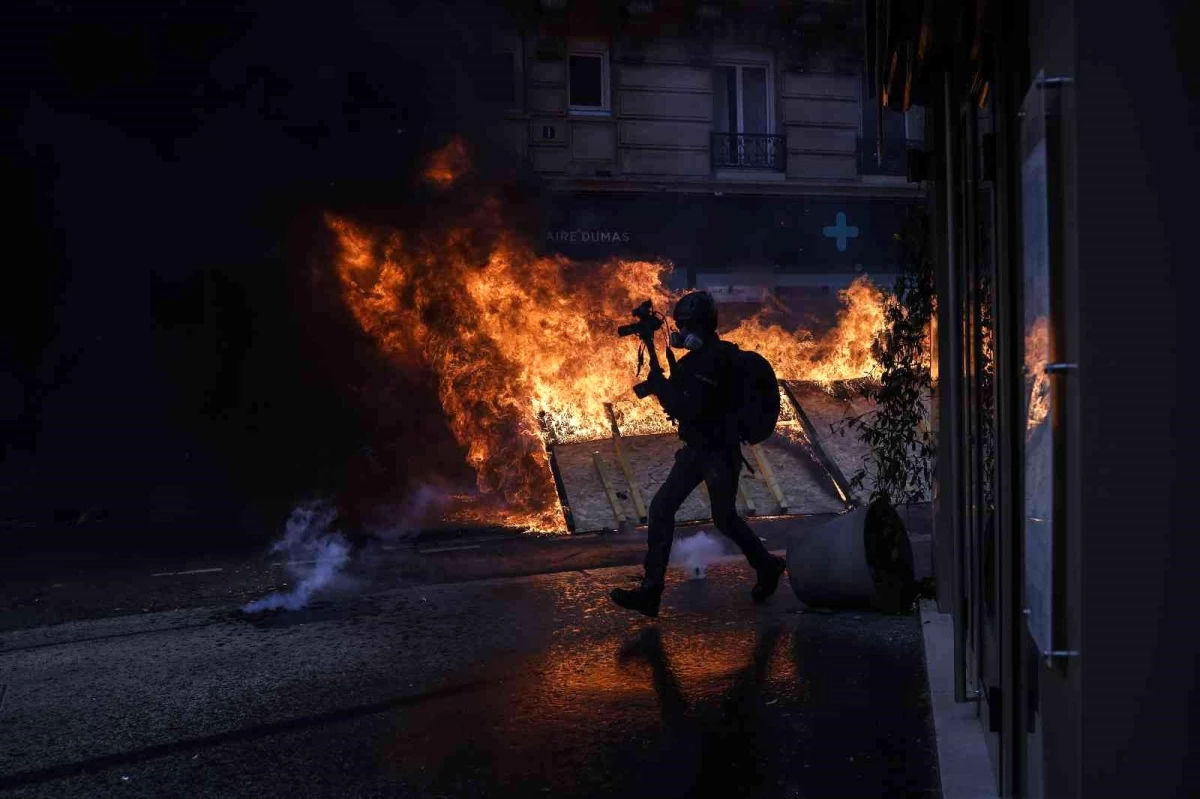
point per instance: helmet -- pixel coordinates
(697, 310)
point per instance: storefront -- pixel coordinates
(763, 241)
(1053, 133)
(1002, 532)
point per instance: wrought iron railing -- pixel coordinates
(894, 152)
(749, 151)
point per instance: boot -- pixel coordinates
(644, 599)
(768, 578)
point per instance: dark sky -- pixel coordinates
(169, 355)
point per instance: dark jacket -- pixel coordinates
(699, 396)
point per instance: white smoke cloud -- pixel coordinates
(694, 553)
(316, 555)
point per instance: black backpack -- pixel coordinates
(754, 394)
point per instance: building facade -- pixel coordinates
(732, 139)
(1062, 143)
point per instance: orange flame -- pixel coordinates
(844, 353)
(523, 346)
(1037, 355)
(445, 166)
(931, 344)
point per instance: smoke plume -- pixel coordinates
(694, 553)
(316, 555)
(421, 506)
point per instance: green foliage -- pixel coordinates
(902, 446)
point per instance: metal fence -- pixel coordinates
(749, 151)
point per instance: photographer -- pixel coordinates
(701, 395)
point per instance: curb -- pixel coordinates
(964, 765)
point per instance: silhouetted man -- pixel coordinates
(700, 395)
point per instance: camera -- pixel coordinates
(647, 322)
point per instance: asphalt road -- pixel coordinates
(497, 686)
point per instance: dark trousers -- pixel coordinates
(719, 471)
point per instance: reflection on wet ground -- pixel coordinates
(509, 687)
(710, 700)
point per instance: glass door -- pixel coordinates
(983, 509)
(1050, 701)
(979, 562)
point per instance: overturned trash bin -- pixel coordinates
(861, 559)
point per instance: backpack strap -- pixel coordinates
(729, 374)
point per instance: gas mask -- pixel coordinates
(685, 341)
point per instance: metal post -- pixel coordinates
(950, 456)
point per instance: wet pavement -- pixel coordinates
(57, 588)
(509, 686)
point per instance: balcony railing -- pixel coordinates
(895, 156)
(749, 151)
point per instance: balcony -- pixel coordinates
(895, 156)
(749, 151)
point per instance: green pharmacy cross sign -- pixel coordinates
(840, 231)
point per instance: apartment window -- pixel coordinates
(587, 80)
(742, 119)
(740, 99)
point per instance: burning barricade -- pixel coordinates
(528, 371)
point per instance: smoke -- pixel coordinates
(694, 553)
(425, 503)
(316, 555)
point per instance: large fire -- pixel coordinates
(524, 347)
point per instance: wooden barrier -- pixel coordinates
(630, 478)
(768, 474)
(618, 514)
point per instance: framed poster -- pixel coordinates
(1037, 269)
